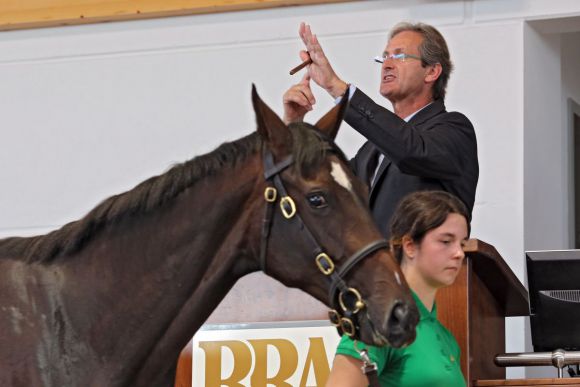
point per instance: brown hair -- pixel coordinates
(420, 212)
(432, 50)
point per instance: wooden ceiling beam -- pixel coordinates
(18, 14)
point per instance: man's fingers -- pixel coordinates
(307, 30)
(314, 40)
(302, 103)
(304, 88)
(314, 50)
(305, 34)
(300, 96)
(301, 30)
(302, 99)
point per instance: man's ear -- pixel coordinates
(271, 128)
(433, 72)
(330, 123)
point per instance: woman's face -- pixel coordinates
(438, 258)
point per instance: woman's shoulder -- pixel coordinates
(379, 355)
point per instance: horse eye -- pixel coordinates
(317, 200)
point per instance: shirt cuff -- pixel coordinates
(351, 90)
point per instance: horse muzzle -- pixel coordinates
(401, 323)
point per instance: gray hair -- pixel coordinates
(433, 50)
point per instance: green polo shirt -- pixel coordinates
(431, 360)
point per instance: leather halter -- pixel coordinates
(349, 299)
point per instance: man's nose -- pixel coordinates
(388, 63)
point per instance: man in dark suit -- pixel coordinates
(417, 146)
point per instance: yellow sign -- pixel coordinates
(272, 354)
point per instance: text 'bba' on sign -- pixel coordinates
(264, 354)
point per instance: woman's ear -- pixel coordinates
(409, 247)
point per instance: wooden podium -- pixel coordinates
(475, 306)
(568, 382)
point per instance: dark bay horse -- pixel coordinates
(111, 299)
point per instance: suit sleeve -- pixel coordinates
(436, 150)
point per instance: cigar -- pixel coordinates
(300, 66)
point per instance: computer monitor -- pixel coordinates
(554, 289)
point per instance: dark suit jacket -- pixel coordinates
(435, 150)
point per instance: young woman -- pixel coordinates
(428, 231)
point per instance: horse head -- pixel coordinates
(313, 202)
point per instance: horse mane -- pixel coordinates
(308, 150)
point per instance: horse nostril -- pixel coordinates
(399, 314)
(400, 325)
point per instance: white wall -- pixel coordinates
(570, 66)
(544, 196)
(551, 72)
(543, 142)
(571, 107)
(90, 111)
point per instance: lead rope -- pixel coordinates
(369, 367)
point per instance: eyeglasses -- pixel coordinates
(399, 57)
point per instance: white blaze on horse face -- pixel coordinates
(340, 176)
(398, 279)
(17, 319)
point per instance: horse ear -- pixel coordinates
(272, 129)
(330, 123)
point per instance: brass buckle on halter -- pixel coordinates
(358, 305)
(270, 194)
(324, 263)
(288, 207)
(347, 326)
(334, 317)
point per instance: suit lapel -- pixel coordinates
(367, 163)
(380, 174)
(433, 109)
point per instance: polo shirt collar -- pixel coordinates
(423, 312)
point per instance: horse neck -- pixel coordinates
(169, 269)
